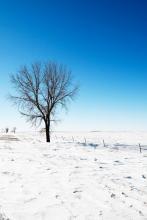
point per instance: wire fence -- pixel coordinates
(93, 142)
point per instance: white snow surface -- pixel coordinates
(78, 176)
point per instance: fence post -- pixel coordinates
(104, 143)
(140, 148)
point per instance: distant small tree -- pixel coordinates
(40, 90)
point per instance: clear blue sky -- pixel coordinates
(104, 43)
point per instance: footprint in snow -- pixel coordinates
(124, 194)
(140, 212)
(143, 176)
(77, 194)
(57, 196)
(117, 162)
(30, 200)
(77, 191)
(113, 195)
(128, 177)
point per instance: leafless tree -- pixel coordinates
(40, 90)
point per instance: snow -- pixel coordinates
(75, 177)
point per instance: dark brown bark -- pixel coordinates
(47, 134)
(47, 129)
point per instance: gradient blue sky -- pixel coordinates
(104, 43)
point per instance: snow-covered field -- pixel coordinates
(76, 177)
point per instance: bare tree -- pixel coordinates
(40, 90)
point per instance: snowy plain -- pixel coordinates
(78, 176)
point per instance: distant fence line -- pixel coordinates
(92, 142)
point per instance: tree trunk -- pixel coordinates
(47, 130)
